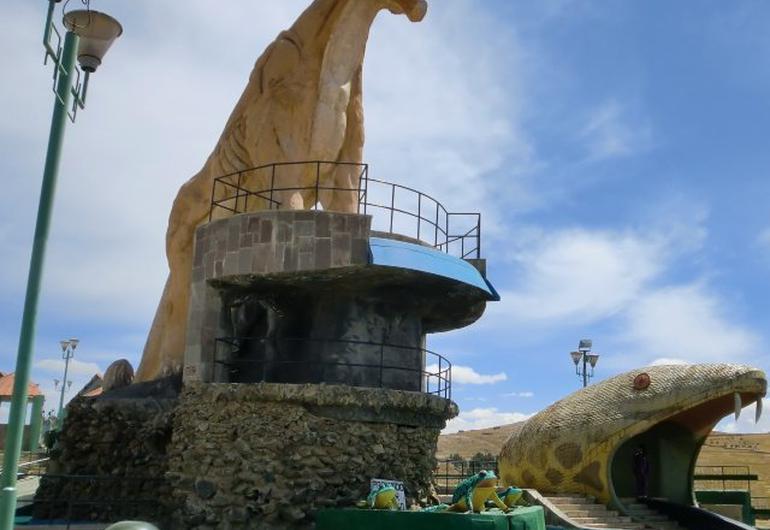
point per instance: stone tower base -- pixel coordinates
(226, 455)
(270, 455)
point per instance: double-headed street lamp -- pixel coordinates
(89, 35)
(67, 353)
(584, 355)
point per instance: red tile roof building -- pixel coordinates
(6, 388)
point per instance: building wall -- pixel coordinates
(4, 432)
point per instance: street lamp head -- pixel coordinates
(576, 355)
(64, 345)
(593, 358)
(74, 343)
(585, 345)
(97, 32)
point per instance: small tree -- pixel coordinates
(481, 461)
(457, 461)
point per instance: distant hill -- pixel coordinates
(468, 443)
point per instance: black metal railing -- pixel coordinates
(724, 477)
(761, 507)
(449, 473)
(66, 500)
(692, 517)
(395, 209)
(338, 361)
(27, 459)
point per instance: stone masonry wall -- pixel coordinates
(109, 462)
(263, 243)
(270, 455)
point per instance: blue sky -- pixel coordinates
(617, 150)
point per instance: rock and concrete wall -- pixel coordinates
(270, 456)
(109, 462)
(238, 456)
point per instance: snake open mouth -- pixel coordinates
(672, 439)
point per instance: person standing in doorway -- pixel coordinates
(641, 472)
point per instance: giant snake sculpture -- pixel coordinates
(303, 102)
(583, 443)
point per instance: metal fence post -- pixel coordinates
(317, 183)
(272, 186)
(382, 360)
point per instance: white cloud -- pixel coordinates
(746, 422)
(525, 394)
(763, 240)
(441, 105)
(663, 361)
(481, 418)
(611, 132)
(46, 371)
(467, 375)
(75, 367)
(580, 276)
(687, 322)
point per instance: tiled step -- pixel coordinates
(665, 525)
(618, 526)
(602, 517)
(649, 516)
(570, 499)
(583, 508)
(584, 511)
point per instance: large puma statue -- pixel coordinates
(302, 102)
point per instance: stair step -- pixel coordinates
(617, 526)
(591, 520)
(582, 507)
(652, 517)
(592, 513)
(666, 525)
(570, 499)
(586, 512)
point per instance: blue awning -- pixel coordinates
(393, 253)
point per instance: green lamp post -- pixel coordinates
(89, 35)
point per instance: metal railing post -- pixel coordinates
(213, 197)
(317, 183)
(419, 213)
(272, 187)
(246, 194)
(449, 382)
(382, 360)
(446, 233)
(435, 225)
(238, 192)
(478, 237)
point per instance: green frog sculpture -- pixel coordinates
(472, 494)
(510, 496)
(381, 497)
